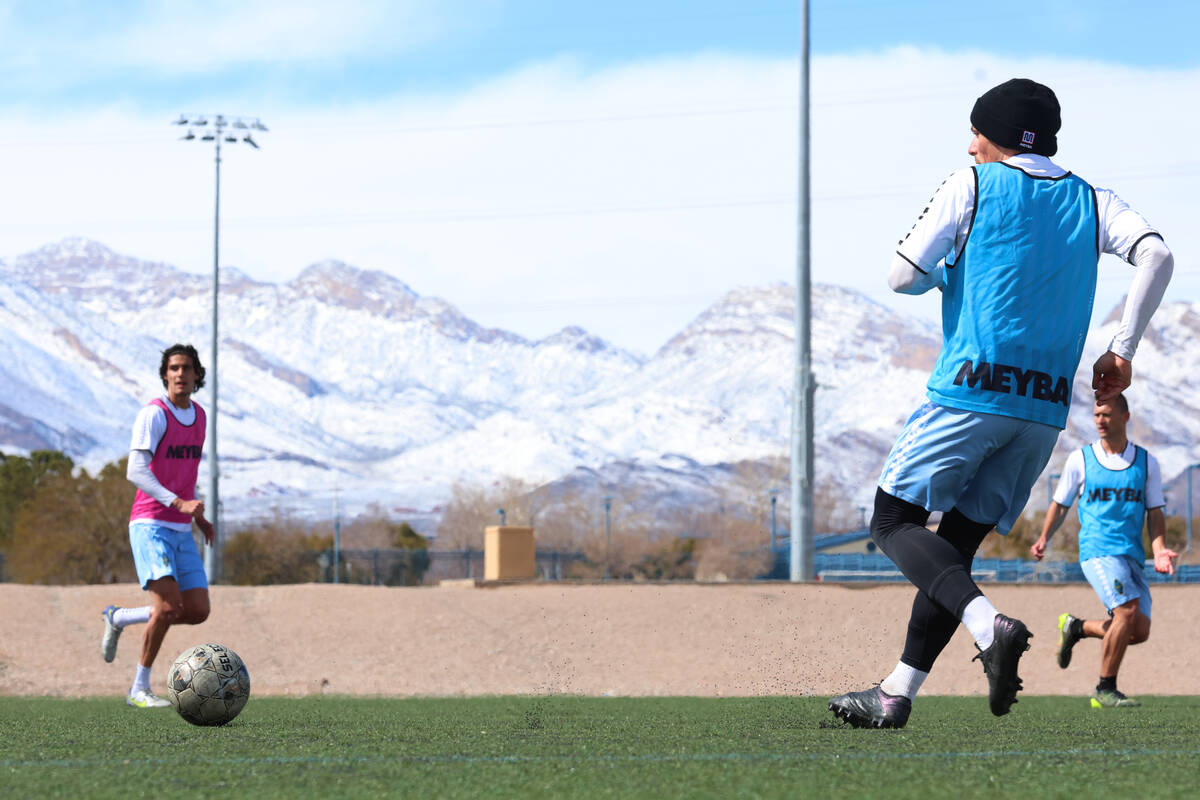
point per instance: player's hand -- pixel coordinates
(1038, 548)
(1111, 375)
(207, 529)
(193, 508)
(1164, 561)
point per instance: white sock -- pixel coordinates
(130, 616)
(980, 618)
(141, 680)
(904, 681)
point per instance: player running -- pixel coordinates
(164, 457)
(1119, 486)
(1012, 243)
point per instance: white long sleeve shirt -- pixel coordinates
(943, 227)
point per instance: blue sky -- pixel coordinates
(153, 54)
(538, 164)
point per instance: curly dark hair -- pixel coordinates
(181, 350)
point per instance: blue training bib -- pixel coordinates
(1017, 302)
(1112, 508)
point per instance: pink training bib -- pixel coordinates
(175, 464)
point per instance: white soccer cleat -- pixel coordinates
(144, 698)
(108, 642)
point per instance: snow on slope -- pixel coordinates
(349, 377)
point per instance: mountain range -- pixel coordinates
(346, 380)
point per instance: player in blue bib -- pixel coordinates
(1119, 487)
(1012, 243)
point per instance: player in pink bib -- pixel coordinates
(164, 458)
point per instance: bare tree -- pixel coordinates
(472, 508)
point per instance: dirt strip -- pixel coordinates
(551, 638)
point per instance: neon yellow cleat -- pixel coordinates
(144, 698)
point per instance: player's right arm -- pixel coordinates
(139, 474)
(940, 231)
(1069, 484)
(1054, 517)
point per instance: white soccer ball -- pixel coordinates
(208, 684)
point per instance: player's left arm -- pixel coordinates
(1164, 557)
(206, 528)
(1125, 233)
(1156, 520)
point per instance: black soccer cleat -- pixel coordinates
(872, 708)
(1066, 639)
(1000, 662)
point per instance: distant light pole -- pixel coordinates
(1191, 467)
(224, 130)
(607, 534)
(337, 533)
(774, 495)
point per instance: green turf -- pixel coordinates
(598, 747)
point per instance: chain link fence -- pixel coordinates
(403, 567)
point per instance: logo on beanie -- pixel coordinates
(1027, 139)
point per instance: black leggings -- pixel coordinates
(938, 564)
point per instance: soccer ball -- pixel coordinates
(208, 684)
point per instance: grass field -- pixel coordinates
(598, 747)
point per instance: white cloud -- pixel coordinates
(624, 200)
(187, 37)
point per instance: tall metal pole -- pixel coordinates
(774, 495)
(217, 134)
(337, 534)
(803, 386)
(1188, 549)
(607, 535)
(212, 554)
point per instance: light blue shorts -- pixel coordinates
(983, 464)
(160, 552)
(1117, 580)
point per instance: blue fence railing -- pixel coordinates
(875, 567)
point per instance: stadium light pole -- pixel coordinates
(802, 385)
(1191, 467)
(607, 534)
(337, 533)
(774, 495)
(221, 130)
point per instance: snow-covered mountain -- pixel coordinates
(348, 378)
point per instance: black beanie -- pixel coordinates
(1019, 115)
